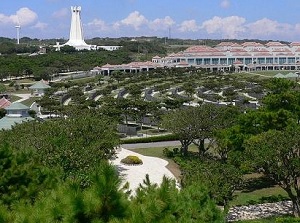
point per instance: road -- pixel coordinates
(150, 145)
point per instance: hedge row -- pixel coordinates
(169, 137)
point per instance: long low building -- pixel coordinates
(249, 56)
(133, 67)
(246, 56)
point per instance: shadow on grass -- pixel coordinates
(261, 182)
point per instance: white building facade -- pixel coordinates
(246, 56)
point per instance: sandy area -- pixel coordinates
(155, 167)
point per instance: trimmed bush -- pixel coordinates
(161, 138)
(168, 153)
(132, 160)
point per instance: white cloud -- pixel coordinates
(64, 12)
(134, 19)
(189, 26)
(161, 24)
(24, 16)
(266, 27)
(228, 27)
(225, 4)
(98, 24)
(40, 26)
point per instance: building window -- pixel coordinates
(269, 60)
(282, 60)
(198, 61)
(206, 61)
(215, 61)
(291, 60)
(190, 61)
(223, 61)
(248, 60)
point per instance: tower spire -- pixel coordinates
(76, 31)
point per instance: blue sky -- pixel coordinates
(195, 19)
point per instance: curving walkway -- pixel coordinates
(23, 97)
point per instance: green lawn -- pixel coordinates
(267, 220)
(20, 91)
(285, 219)
(155, 152)
(83, 80)
(29, 101)
(257, 189)
(258, 195)
(14, 98)
(158, 151)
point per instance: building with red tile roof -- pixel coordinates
(4, 102)
(250, 56)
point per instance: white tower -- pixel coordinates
(76, 32)
(18, 27)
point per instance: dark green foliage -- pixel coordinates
(102, 202)
(2, 88)
(199, 124)
(76, 145)
(168, 153)
(67, 49)
(277, 154)
(2, 112)
(143, 47)
(165, 203)
(221, 179)
(21, 177)
(42, 66)
(32, 113)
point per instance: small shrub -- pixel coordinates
(12, 83)
(176, 151)
(252, 202)
(132, 160)
(168, 153)
(32, 113)
(272, 199)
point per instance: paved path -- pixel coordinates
(23, 97)
(151, 145)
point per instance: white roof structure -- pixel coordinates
(39, 85)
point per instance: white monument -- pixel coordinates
(76, 32)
